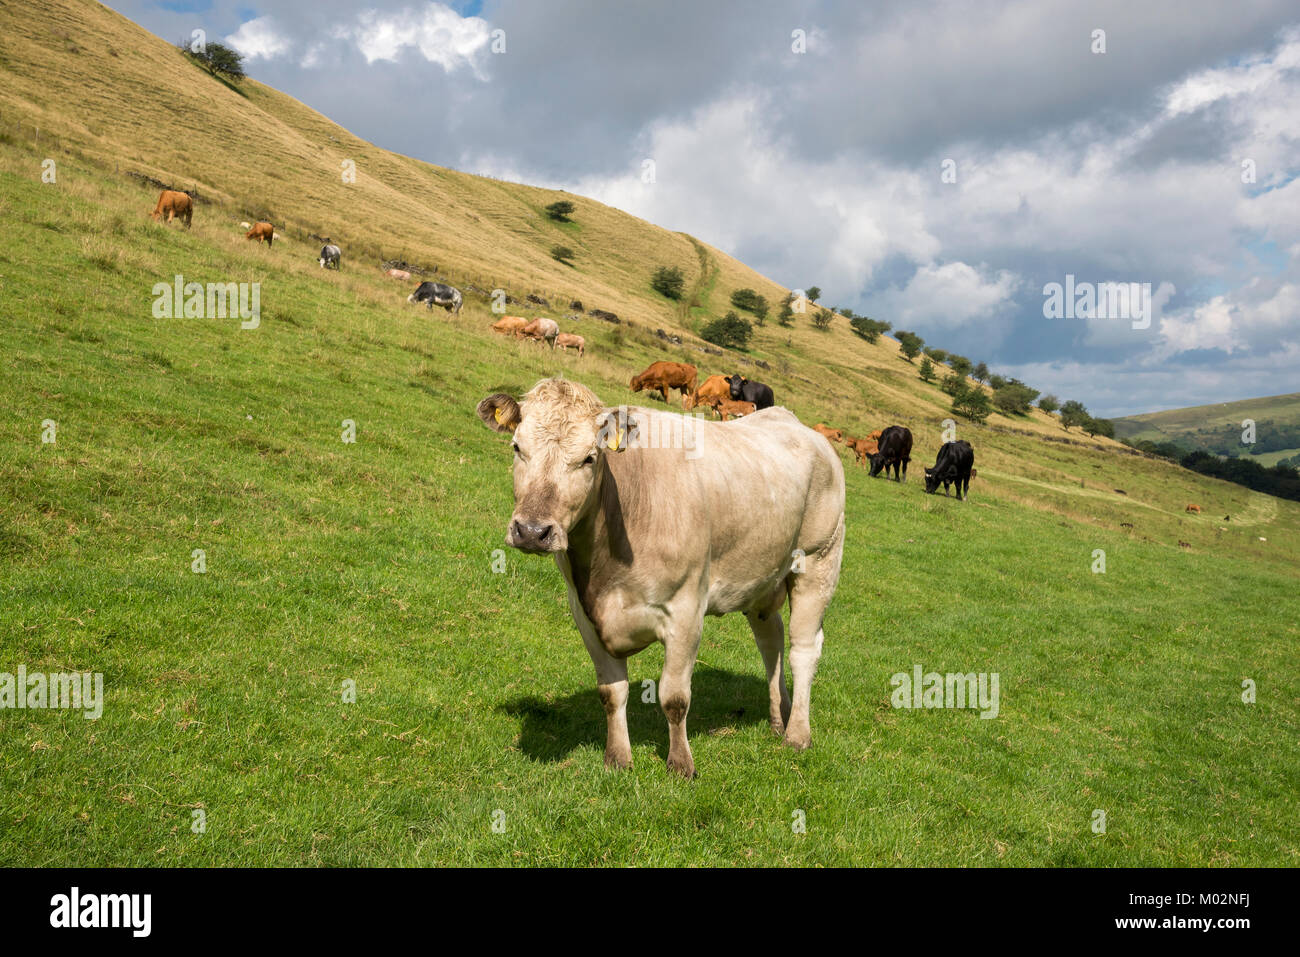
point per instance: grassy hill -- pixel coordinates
(1219, 427)
(371, 562)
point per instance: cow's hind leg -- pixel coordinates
(769, 635)
(810, 593)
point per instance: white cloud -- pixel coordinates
(259, 38)
(948, 295)
(441, 35)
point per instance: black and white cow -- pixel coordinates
(894, 450)
(745, 390)
(953, 466)
(437, 294)
(330, 255)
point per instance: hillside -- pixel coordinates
(1220, 427)
(257, 153)
(132, 443)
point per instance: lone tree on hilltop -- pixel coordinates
(217, 58)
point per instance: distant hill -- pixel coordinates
(1220, 428)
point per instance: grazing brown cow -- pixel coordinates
(173, 204)
(401, 274)
(261, 231)
(862, 448)
(510, 325)
(653, 532)
(566, 339)
(543, 330)
(734, 408)
(662, 376)
(708, 393)
(832, 435)
(1194, 508)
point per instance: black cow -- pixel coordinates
(894, 449)
(953, 466)
(437, 294)
(743, 390)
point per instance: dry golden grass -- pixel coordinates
(263, 154)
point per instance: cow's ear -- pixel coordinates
(616, 430)
(499, 412)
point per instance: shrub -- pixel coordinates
(1049, 403)
(927, 370)
(730, 332)
(216, 58)
(1014, 398)
(869, 329)
(669, 281)
(911, 344)
(972, 404)
(1073, 412)
(785, 316)
(559, 211)
(821, 319)
(952, 384)
(562, 254)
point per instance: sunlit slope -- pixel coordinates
(102, 88)
(1172, 424)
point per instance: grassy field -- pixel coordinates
(476, 734)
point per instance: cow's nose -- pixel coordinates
(532, 535)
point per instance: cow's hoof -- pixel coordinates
(683, 766)
(617, 761)
(799, 739)
(777, 725)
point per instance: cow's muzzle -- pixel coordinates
(537, 538)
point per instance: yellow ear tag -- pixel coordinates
(615, 440)
(497, 414)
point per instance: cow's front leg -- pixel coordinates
(675, 696)
(611, 685)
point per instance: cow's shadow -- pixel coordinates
(551, 730)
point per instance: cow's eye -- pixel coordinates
(590, 459)
(515, 446)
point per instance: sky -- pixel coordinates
(940, 165)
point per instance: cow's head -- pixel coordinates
(931, 480)
(877, 463)
(561, 434)
(737, 384)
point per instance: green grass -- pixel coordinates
(371, 563)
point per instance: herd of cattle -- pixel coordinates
(732, 396)
(735, 396)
